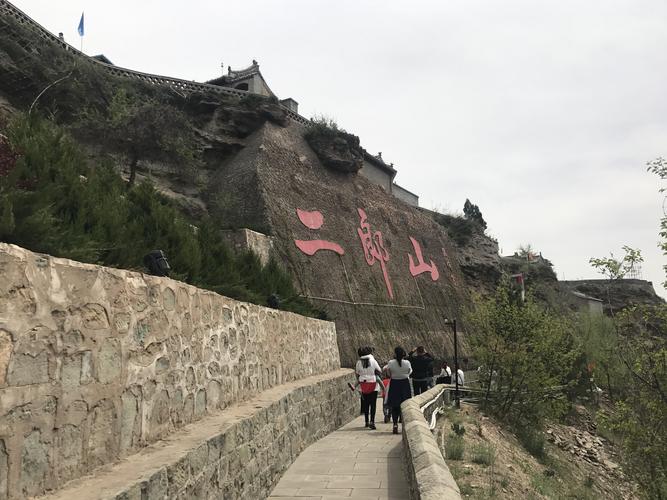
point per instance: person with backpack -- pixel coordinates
(422, 370)
(399, 370)
(367, 370)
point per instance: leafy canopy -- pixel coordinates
(614, 268)
(526, 353)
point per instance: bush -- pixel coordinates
(458, 429)
(454, 448)
(526, 353)
(483, 454)
(460, 229)
(533, 441)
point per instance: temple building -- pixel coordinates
(251, 80)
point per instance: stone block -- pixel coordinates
(103, 434)
(157, 487)
(130, 423)
(161, 365)
(94, 316)
(34, 464)
(213, 395)
(198, 459)
(178, 476)
(28, 369)
(69, 439)
(4, 470)
(70, 374)
(6, 347)
(434, 485)
(109, 361)
(159, 423)
(86, 367)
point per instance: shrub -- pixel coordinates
(458, 429)
(533, 441)
(454, 448)
(460, 229)
(526, 353)
(483, 454)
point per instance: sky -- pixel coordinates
(542, 113)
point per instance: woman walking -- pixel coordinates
(399, 387)
(367, 369)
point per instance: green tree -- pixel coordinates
(659, 167)
(614, 268)
(526, 353)
(473, 213)
(143, 128)
(640, 417)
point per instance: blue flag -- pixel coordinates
(80, 29)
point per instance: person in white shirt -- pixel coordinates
(367, 370)
(399, 370)
(461, 377)
(445, 376)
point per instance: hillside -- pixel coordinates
(255, 170)
(251, 167)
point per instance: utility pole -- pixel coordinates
(457, 399)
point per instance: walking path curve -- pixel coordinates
(352, 462)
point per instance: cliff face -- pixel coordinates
(617, 294)
(359, 268)
(386, 272)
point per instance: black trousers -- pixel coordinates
(368, 404)
(419, 386)
(395, 414)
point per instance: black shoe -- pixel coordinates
(367, 425)
(387, 419)
(372, 426)
(395, 429)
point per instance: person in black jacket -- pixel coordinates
(422, 369)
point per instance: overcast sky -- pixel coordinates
(542, 113)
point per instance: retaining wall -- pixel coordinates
(427, 472)
(239, 453)
(95, 363)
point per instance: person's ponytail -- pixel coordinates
(400, 353)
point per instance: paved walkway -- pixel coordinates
(351, 462)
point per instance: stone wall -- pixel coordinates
(95, 363)
(239, 453)
(404, 195)
(243, 240)
(427, 472)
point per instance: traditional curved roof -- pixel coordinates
(235, 76)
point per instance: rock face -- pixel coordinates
(619, 293)
(336, 150)
(382, 270)
(98, 362)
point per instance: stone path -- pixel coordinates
(351, 462)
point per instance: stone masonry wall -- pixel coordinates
(427, 472)
(240, 453)
(97, 362)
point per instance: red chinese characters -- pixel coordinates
(373, 246)
(314, 220)
(421, 266)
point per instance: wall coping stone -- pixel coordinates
(428, 474)
(140, 472)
